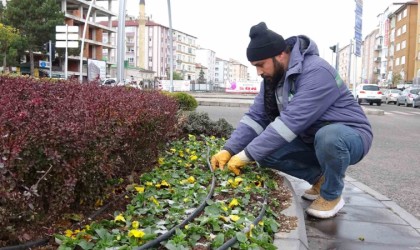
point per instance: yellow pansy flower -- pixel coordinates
(149, 183)
(186, 200)
(172, 150)
(249, 233)
(153, 199)
(235, 182)
(233, 203)
(136, 233)
(225, 219)
(181, 153)
(234, 217)
(119, 217)
(187, 150)
(187, 165)
(191, 179)
(140, 189)
(160, 161)
(193, 158)
(212, 137)
(261, 223)
(135, 224)
(68, 233)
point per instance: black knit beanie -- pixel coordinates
(264, 43)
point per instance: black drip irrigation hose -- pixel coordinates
(233, 240)
(27, 245)
(200, 208)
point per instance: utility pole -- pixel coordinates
(50, 50)
(171, 49)
(121, 42)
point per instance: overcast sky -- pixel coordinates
(223, 25)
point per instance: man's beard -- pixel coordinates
(278, 73)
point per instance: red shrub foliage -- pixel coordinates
(61, 143)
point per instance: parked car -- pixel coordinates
(109, 82)
(416, 101)
(383, 95)
(391, 95)
(407, 95)
(369, 93)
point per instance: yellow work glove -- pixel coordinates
(220, 159)
(237, 162)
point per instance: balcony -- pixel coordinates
(378, 47)
(376, 71)
(377, 59)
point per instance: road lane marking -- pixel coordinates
(402, 113)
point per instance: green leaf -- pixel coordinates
(103, 233)
(86, 245)
(219, 240)
(241, 237)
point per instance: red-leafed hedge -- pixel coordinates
(62, 143)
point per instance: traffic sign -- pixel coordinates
(70, 36)
(68, 44)
(66, 28)
(44, 64)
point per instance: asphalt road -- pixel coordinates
(392, 166)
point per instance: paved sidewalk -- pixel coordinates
(369, 220)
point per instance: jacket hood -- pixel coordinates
(301, 47)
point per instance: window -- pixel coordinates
(398, 47)
(402, 60)
(403, 44)
(399, 32)
(404, 29)
(404, 13)
(397, 61)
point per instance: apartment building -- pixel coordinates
(207, 58)
(371, 57)
(403, 41)
(76, 15)
(221, 75)
(239, 71)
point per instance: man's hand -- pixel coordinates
(220, 159)
(237, 162)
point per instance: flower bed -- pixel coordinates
(163, 200)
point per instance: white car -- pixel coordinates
(109, 82)
(369, 93)
(391, 95)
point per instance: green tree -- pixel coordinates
(35, 20)
(396, 79)
(8, 36)
(177, 76)
(201, 78)
(1, 11)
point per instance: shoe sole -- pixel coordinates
(326, 214)
(310, 197)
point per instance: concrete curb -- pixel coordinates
(295, 239)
